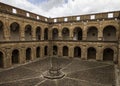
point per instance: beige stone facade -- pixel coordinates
(25, 36)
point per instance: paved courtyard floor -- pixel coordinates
(77, 73)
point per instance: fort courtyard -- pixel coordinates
(81, 50)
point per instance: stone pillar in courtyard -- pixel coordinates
(99, 55)
(6, 29)
(22, 55)
(84, 53)
(7, 59)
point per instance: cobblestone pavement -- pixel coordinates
(77, 73)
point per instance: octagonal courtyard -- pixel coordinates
(77, 73)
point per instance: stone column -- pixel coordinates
(60, 51)
(60, 34)
(22, 57)
(7, 59)
(22, 33)
(6, 29)
(71, 51)
(33, 53)
(42, 52)
(84, 37)
(33, 33)
(84, 52)
(99, 53)
(71, 34)
(42, 34)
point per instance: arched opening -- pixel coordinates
(92, 34)
(28, 32)
(109, 33)
(65, 33)
(77, 52)
(46, 34)
(1, 32)
(91, 53)
(38, 52)
(65, 51)
(14, 31)
(28, 53)
(15, 56)
(55, 34)
(108, 54)
(38, 33)
(1, 60)
(46, 50)
(55, 50)
(77, 33)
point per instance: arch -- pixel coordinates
(15, 56)
(55, 34)
(46, 34)
(46, 50)
(1, 31)
(55, 50)
(38, 52)
(28, 54)
(109, 33)
(1, 60)
(28, 32)
(77, 52)
(92, 33)
(77, 33)
(65, 34)
(65, 51)
(91, 53)
(108, 54)
(14, 31)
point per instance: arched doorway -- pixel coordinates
(55, 34)
(28, 54)
(1, 60)
(77, 52)
(55, 50)
(1, 32)
(108, 54)
(77, 33)
(15, 56)
(38, 33)
(14, 32)
(65, 34)
(28, 32)
(46, 34)
(91, 53)
(92, 34)
(46, 50)
(109, 33)
(65, 51)
(38, 52)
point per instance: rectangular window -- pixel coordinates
(45, 19)
(65, 19)
(77, 18)
(38, 17)
(110, 15)
(92, 17)
(27, 14)
(14, 10)
(55, 20)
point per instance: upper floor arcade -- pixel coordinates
(20, 25)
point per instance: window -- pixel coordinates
(77, 18)
(65, 19)
(27, 14)
(38, 17)
(110, 15)
(92, 17)
(55, 20)
(14, 10)
(45, 19)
